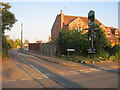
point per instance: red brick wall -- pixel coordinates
(56, 28)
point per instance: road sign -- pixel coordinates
(91, 23)
(91, 50)
(91, 16)
(71, 50)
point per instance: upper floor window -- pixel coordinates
(117, 34)
(108, 34)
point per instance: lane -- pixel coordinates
(21, 63)
(67, 76)
(43, 71)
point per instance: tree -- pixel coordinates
(8, 19)
(72, 39)
(26, 42)
(100, 42)
(4, 47)
(18, 42)
(78, 41)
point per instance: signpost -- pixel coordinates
(70, 50)
(91, 31)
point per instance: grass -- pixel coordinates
(81, 59)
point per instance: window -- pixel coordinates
(116, 34)
(108, 34)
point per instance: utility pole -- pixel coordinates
(21, 34)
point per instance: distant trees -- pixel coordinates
(26, 42)
(8, 19)
(13, 43)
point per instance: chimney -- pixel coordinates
(62, 18)
(60, 11)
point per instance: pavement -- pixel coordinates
(53, 59)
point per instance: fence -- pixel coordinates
(45, 48)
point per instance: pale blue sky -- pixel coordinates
(38, 17)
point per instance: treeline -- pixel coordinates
(8, 43)
(75, 39)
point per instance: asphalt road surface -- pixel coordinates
(26, 71)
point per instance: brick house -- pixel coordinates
(67, 22)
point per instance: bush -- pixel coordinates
(112, 57)
(117, 55)
(102, 54)
(4, 47)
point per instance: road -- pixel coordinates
(26, 71)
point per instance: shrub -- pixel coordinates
(112, 57)
(117, 55)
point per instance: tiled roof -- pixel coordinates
(68, 19)
(111, 27)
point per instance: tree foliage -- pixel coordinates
(8, 18)
(75, 39)
(13, 43)
(26, 42)
(4, 47)
(100, 42)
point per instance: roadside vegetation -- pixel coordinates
(8, 19)
(75, 39)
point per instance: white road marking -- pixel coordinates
(33, 56)
(10, 81)
(74, 72)
(87, 71)
(39, 71)
(24, 54)
(21, 80)
(94, 70)
(25, 79)
(82, 70)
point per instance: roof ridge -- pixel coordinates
(71, 16)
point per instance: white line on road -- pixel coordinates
(81, 70)
(21, 80)
(74, 72)
(87, 71)
(10, 81)
(38, 71)
(94, 70)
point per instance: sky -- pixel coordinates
(38, 17)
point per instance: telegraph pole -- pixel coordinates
(21, 34)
